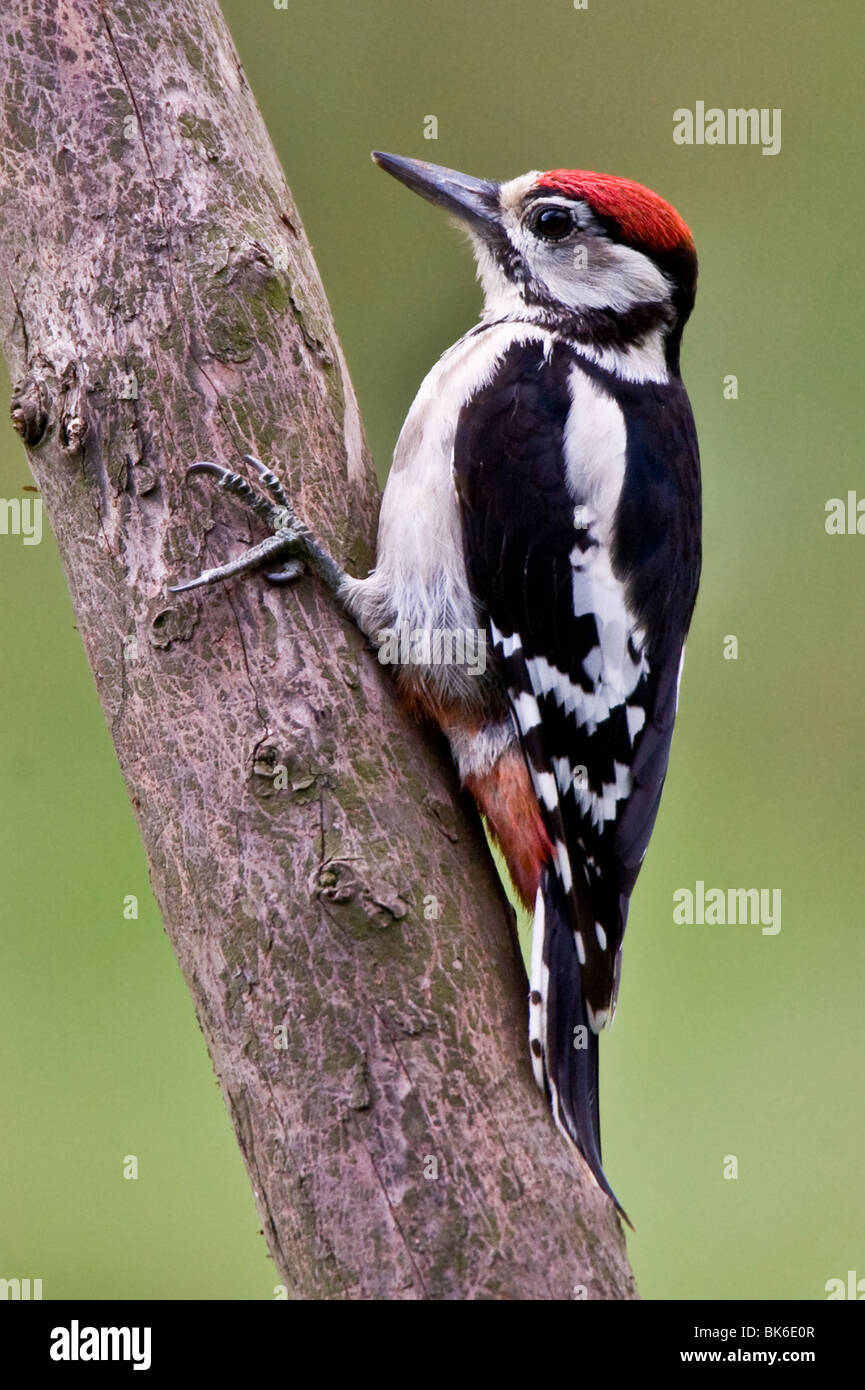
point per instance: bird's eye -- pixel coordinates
(552, 223)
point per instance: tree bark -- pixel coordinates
(325, 887)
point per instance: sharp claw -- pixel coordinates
(289, 572)
(268, 549)
(192, 584)
(288, 533)
(205, 466)
(240, 488)
(270, 480)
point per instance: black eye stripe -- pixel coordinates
(552, 223)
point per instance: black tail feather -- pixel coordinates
(570, 1047)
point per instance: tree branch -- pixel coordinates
(326, 889)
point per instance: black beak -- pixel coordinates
(473, 201)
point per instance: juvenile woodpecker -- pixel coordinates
(545, 490)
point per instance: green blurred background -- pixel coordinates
(727, 1042)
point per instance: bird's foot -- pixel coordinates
(289, 540)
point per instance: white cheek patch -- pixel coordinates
(613, 277)
(591, 273)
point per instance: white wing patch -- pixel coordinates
(595, 445)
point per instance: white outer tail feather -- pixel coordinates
(538, 983)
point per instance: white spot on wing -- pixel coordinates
(564, 866)
(545, 788)
(636, 717)
(563, 772)
(526, 711)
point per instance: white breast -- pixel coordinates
(420, 577)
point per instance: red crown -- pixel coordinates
(643, 217)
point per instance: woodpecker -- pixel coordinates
(545, 491)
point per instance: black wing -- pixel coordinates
(590, 652)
